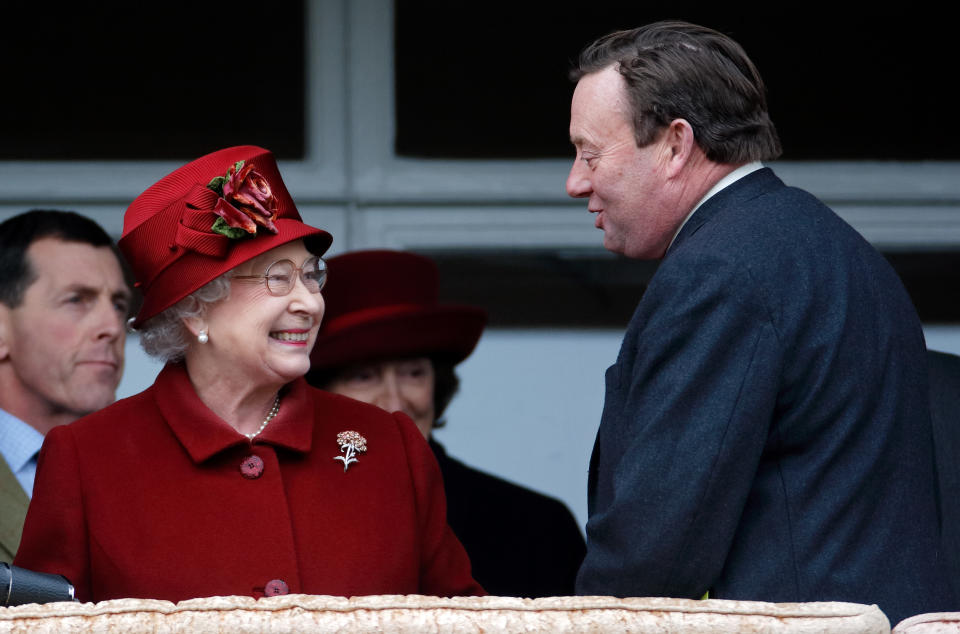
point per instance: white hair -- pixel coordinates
(165, 336)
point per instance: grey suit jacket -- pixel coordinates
(13, 510)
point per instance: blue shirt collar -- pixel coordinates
(19, 444)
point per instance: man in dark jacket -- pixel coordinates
(766, 430)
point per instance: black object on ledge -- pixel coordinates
(19, 586)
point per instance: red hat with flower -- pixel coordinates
(204, 219)
(382, 304)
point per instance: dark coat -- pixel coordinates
(766, 429)
(521, 543)
(155, 497)
(945, 410)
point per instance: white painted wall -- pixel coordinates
(529, 403)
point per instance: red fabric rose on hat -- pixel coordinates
(246, 201)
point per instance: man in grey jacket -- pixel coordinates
(63, 305)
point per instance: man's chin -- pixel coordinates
(612, 245)
(93, 400)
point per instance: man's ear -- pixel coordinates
(5, 330)
(679, 146)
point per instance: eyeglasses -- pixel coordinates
(280, 277)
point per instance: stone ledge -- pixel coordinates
(414, 613)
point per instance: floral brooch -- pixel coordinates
(246, 201)
(351, 443)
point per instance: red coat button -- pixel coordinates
(252, 467)
(275, 587)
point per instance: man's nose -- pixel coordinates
(578, 181)
(110, 322)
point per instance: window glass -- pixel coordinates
(489, 80)
(146, 80)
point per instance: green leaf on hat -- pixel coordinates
(217, 184)
(220, 226)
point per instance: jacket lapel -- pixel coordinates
(13, 510)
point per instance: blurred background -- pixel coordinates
(441, 128)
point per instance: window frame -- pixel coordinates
(352, 182)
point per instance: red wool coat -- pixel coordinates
(157, 497)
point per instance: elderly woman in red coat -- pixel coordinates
(230, 475)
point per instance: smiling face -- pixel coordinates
(625, 185)
(255, 338)
(61, 349)
(395, 385)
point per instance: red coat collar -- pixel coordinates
(204, 434)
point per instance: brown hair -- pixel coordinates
(677, 70)
(18, 233)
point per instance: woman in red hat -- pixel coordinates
(387, 341)
(230, 475)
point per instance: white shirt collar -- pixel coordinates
(726, 181)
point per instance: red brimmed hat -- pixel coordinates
(206, 218)
(383, 304)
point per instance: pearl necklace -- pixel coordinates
(263, 425)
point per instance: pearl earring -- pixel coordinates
(202, 337)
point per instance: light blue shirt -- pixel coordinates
(19, 445)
